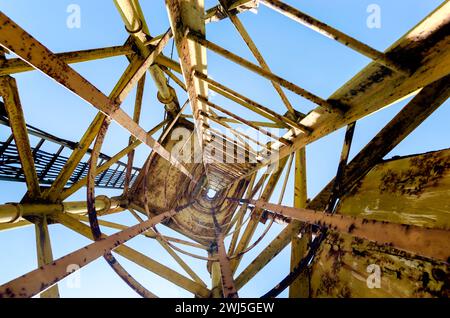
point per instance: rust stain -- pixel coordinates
(425, 171)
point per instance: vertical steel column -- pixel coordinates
(44, 252)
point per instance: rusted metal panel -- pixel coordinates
(412, 190)
(345, 267)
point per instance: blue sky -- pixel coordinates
(292, 51)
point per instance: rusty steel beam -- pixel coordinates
(185, 16)
(341, 167)
(38, 280)
(15, 212)
(228, 288)
(136, 117)
(218, 13)
(252, 46)
(152, 235)
(256, 214)
(329, 106)
(16, 65)
(10, 94)
(335, 34)
(136, 25)
(250, 104)
(431, 243)
(299, 246)
(105, 166)
(202, 99)
(161, 240)
(14, 38)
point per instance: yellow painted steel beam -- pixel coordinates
(169, 63)
(250, 104)
(376, 87)
(299, 246)
(136, 25)
(252, 46)
(44, 252)
(15, 225)
(234, 121)
(139, 258)
(174, 77)
(202, 99)
(55, 191)
(11, 100)
(239, 216)
(409, 118)
(268, 253)
(329, 106)
(14, 212)
(335, 34)
(187, 16)
(16, 65)
(431, 243)
(82, 182)
(25, 46)
(132, 139)
(216, 282)
(256, 214)
(175, 256)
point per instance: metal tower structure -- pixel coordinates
(186, 185)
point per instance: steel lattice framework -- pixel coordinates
(409, 222)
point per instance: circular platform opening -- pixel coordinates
(211, 193)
